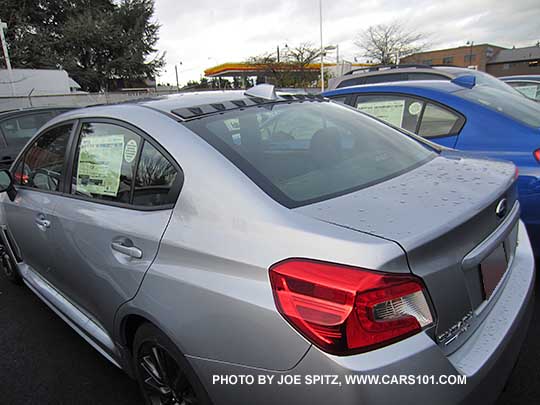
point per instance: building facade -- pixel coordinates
(493, 59)
(516, 61)
(475, 56)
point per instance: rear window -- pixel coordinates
(300, 153)
(513, 105)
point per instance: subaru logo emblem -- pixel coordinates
(501, 208)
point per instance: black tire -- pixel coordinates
(10, 269)
(163, 373)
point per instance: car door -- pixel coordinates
(424, 117)
(122, 191)
(38, 177)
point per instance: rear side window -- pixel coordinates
(44, 161)
(528, 89)
(352, 82)
(393, 77)
(426, 76)
(400, 111)
(323, 149)
(155, 180)
(105, 162)
(438, 121)
(20, 129)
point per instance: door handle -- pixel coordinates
(42, 223)
(132, 251)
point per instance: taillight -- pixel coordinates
(536, 154)
(346, 310)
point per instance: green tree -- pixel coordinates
(99, 42)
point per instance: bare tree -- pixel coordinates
(386, 43)
(292, 69)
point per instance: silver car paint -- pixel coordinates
(86, 269)
(208, 286)
(487, 358)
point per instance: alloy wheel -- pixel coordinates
(163, 381)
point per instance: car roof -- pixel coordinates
(171, 102)
(193, 105)
(521, 77)
(445, 86)
(25, 110)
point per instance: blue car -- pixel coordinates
(482, 120)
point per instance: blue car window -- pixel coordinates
(400, 111)
(515, 106)
(437, 121)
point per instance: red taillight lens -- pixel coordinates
(536, 154)
(345, 310)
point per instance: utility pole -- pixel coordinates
(471, 43)
(322, 47)
(278, 54)
(3, 26)
(176, 72)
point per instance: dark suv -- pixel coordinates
(18, 126)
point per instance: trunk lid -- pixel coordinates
(443, 214)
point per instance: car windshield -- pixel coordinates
(513, 105)
(303, 152)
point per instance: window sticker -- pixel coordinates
(415, 108)
(528, 90)
(390, 111)
(100, 164)
(130, 152)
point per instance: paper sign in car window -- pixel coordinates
(390, 111)
(100, 164)
(528, 90)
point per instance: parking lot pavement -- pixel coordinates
(43, 361)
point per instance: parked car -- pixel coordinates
(529, 85)
(227, 234)
(478, 119)
(18, 126)
(409, 72)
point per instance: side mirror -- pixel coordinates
(6, 184)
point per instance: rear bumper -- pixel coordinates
(486, 359)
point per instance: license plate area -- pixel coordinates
(492, 270)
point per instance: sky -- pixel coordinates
(197, 34)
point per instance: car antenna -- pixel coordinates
(266, 91)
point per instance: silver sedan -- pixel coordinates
(254, 248)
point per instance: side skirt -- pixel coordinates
(84, 326)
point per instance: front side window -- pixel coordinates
(400, 111)
(21, 129)
(324, 149)
(43, 163)
(438, 121)
(105, 162)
